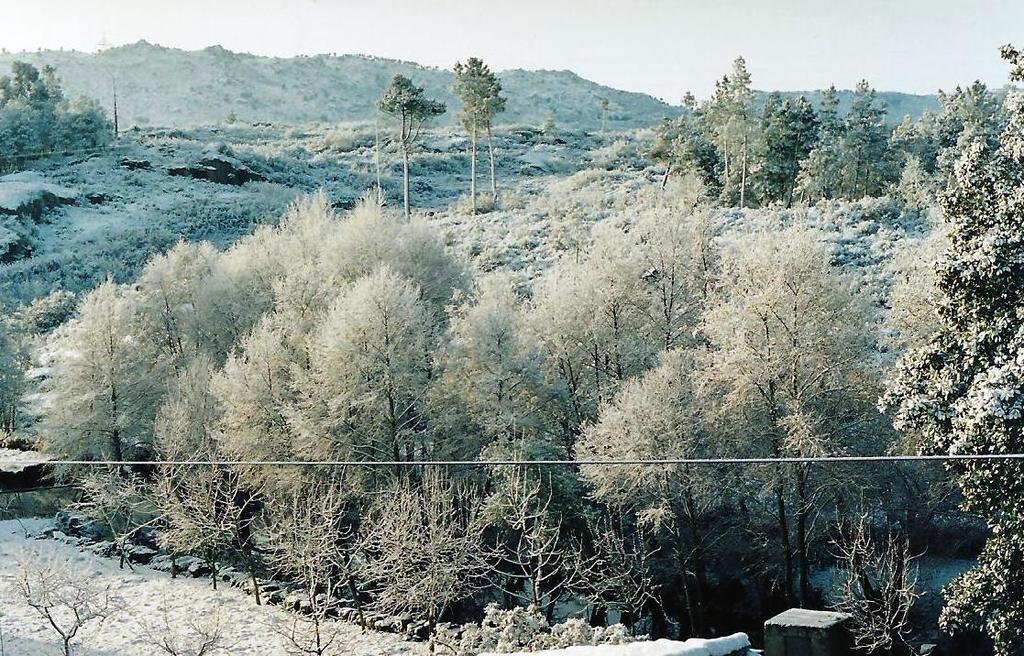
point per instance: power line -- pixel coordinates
(611, 462)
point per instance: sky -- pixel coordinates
(661, 47)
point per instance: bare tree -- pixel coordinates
(213, 512)
(119, 501)
(314, 546)
(542, 565)
(425, 547)
(201, 636)
(878, 586)
(620, 572)
(66, 597)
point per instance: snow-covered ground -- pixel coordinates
(145, 598)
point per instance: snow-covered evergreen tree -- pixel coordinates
(963, 391)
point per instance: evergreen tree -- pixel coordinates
(962, 391)
(406, 102)
(480, 92)
(789, 130)
(729, 119)
(868, 164)
(684, 150)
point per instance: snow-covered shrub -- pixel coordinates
(523, 629)
(48, 312)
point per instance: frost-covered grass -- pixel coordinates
(128, 208)
(145, 599)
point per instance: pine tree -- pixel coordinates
(729, 118)
(405, 101)
(868, 164)
(480, 92)
(962, 391)
(789, 130)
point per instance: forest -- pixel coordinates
(445, 407)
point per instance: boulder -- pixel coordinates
(72, 524)
(222, 169)
(135, 164)
(141, 555)
(29, 195)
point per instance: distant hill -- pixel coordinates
(169, 87)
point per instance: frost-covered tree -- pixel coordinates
(313, 545)
(877, 585)
(406, 102)
(868, 162)
(63, 595)
(913, 295)
(480, 92)
(680, 261)
(108, 383)
(961, 390)
(36, 119)
(820, 173)
(208, 510)
(491, 386)
(12, 377)
(790, 365)
(119, 503)
(254, 389)
(170, 288)
(682, 148)
(658, 416)
(592, 323)
(362, 395)
(968, 114)
(539, 564)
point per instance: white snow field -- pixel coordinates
(146, 598)
(736, 643)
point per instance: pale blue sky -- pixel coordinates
(659, 47)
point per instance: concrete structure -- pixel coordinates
(801, 632)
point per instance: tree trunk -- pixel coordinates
(255, 586)
(472, 168)
(664, 178)
(494, 175)
(780, 497)
(115, 432)
(697, 563)
(405, 179)
(801, 537)
(355, 600)
(743, 174)
(376, 159)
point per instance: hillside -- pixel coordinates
(170, 87)
(160, 86)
